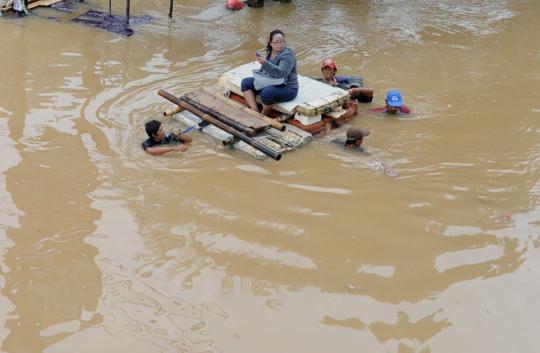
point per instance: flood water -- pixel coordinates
(104, 248)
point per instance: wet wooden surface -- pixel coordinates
(230, 111)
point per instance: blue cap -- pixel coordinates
(393, 98)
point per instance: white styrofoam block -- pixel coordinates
(308, 120)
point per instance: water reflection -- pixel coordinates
(53, 278)
(50, 277)
(361, 269)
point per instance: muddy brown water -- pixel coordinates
(106, 249)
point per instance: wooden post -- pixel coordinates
(170, 8)
(110, 7)
(128, 3)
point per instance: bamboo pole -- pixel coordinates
(173, 111)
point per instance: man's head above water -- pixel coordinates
(154, 130)
(394, 101)
(328, 69)
(355, 137)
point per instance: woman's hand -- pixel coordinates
(260, 59)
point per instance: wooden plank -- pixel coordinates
(42, 3)
(246, 109)
(230, 111)
(80, 11)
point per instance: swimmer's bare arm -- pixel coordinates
(164, 149)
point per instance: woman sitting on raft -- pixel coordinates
(279, 63)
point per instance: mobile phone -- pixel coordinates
(257, 54)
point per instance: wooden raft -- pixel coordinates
(247, 119)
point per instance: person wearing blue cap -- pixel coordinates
(394, 104)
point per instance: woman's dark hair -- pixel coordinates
(152, 127)
(272, 34)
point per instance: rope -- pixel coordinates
(188, 129)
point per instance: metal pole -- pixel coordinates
(170, 8)
(128, 2)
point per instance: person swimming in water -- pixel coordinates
(354, 138)
(353, 84)
(160, 142)
(393, 104)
